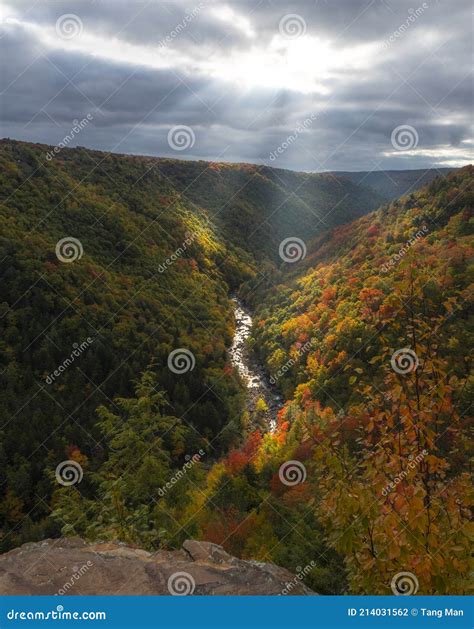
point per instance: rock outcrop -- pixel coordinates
(72, 566)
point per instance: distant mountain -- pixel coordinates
(138, 255)
(257, 206)
(115, 324)
(391, 184)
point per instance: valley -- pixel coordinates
(266, 395)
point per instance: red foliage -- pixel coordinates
(304, 451)
(328, 295)
(300, 494)
(252, 444)
(228, 369)
(276, 486)
(235, 462)
(230, 530)
(373, 230)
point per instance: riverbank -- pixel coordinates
(263, 401)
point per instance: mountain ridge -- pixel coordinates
(151, 276)
(392, 184)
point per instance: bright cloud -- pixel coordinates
(244, 75)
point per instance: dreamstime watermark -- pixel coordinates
(292, 473)
(69, 249)
(292, 249)
(196, 458)
(404, 584)
(179, 28)
(301, 573)
(289, 363)
(413, 15)
(411, 465)
(55, 614)
(79, 348)
(190, 237)
(404, 138)
(181, 360)
(292, 26)
(77, 127)
(181, 584)
(68, 26)
(78, 573)
(421, 233)
(69, 473)
(300, 128)
(181, 138)
(404, 361)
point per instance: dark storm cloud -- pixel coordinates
(419, 77)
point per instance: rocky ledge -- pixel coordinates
(72, 566)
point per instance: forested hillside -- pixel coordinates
(153, 249)
(259, 206)
(105, 318)
(369, 340)
(116, 321)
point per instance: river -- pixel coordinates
(252, 373)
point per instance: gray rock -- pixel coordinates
(71, 566)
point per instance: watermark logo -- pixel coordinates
(77, 127)
(292, 26)
(181, 360)
(404, 138)
(69, 249)
(404, 361)
(413, 15)
(69, 26)
(78, 573)
(421, 233)
(301, 573)
(78, 348)
(411, 465)
(181, 584)
(191, 461)
(190, 237)
(69, 473)
(57, 614)
(292, 473)
(179, 28)
(289, 363)
(300, 128)
(181, 138)
(404, 584)
(292, 250)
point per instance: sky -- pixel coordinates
(310, 85)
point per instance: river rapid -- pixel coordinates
(251, 372)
